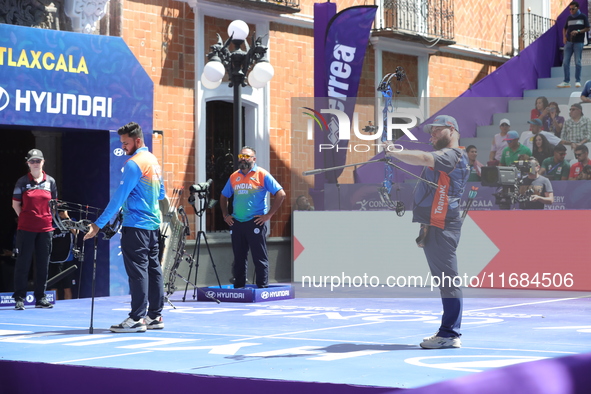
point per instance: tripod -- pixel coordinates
(204, 203)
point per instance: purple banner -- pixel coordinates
(347, 36)
(323, 13)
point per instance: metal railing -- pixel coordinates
(287, 3)
(529, 27)
(432, 18)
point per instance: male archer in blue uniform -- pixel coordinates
(138, 193)
(438, 212)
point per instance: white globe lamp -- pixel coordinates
(238, 30)
(210, 84)
(214, 71)
(262, 72)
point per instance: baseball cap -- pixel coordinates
(512, 135)
(577, 105)
(537, 122)
(34, 154)
(505, 120)
(442, 120)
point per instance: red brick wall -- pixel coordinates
(292, 54)
(160, 33)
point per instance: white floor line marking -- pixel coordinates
(98, 358)
(519, 350)
(43, 325)
(304, 331)
(526, 303)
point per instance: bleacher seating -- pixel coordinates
(520, 109)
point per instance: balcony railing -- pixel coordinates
(282, 6)
(529, 27)
(431, 18)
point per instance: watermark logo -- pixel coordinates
(338, 128)
(316, 117)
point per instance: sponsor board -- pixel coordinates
(250, 293)
(7, 300)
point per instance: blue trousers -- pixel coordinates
(245, 236)
(569, 49)
(28, 242)
(140, 255)
(440, 250)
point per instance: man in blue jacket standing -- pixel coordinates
(575, 29)
(138, 193)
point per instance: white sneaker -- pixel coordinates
(437, 342)
(563, 85)
(130, 325)
(577, 85)
(154, 324)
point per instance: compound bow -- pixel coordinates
(385, 87)
(83, 224)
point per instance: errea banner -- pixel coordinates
(71, 80)
(345, 44)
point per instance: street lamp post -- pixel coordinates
(237, 63)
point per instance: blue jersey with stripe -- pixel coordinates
(138, 193)
(250, 192)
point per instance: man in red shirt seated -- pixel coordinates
(580, 169)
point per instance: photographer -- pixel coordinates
(537, 184)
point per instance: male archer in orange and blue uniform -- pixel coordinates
(249, 186)
(138, 193)
(437, 209)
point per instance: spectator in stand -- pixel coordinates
(474, 164)
(541, 109)
(542, 149)
(579, 170)
(538, 185)
(575, 29)
(553, 122)
(527, 137)
(514, 149)
(499, 143)
(577, 130)
(586, 92)
(556, 168)
(303, 204)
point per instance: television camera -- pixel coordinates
(508, 180)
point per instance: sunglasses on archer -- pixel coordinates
(242, 156)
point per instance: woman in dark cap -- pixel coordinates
(30, 201)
